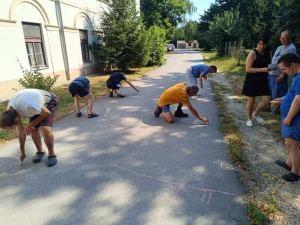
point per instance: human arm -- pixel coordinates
(200, 80)
(196, 114)
(128, 82)
(89, 88)
(295, 107)
(249, 63)
(280, 78)
(22, 139)
(278, 101)
(43, 115)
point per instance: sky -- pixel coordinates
(201, 5)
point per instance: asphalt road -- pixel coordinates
(126, 166)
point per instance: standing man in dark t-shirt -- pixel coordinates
(114, 83)
(81, 87)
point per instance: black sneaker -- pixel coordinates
(111, 94)
(157, 112)
(52, 160)
(179, 113)
(121, 96)
(38, 157)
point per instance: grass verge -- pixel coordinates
(66, 101)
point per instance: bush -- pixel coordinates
(157, 44)
(35, 79)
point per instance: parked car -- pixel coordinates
(173, 46)
(169, 48)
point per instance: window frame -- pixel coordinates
(84, 45)
(31, 40)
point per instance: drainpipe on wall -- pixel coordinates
(62, 38)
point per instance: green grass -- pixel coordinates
(66, 101)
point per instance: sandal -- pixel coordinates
(283, 164)
(291, 177)
(92, 115)
(78, 114)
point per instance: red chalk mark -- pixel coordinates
(179, 185)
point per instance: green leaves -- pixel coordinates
(122, 37)
(35, 79)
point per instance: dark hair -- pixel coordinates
(264, 38)
(7, 118)
(288, 59)
(193, 88)
(214, 68)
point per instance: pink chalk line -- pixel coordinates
(179, 185)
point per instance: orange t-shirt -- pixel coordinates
(173, 95)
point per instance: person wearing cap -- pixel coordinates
(81, 87)
(199, 71)
(40, 107)
(180, 94)
(114, 83)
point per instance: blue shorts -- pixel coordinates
(278, 90)
(76, 87)
(165, 109)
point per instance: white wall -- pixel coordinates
(77, 14)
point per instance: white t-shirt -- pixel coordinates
(29, 102)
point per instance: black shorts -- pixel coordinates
(77, 87)
(111, 85)
(52, 107)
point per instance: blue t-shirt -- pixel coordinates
(82, 80)
(198, 69)
(289, 98)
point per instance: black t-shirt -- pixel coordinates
(116, 78)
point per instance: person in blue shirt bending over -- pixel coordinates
(199, 71)
(81, 87)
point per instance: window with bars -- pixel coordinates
(84, 41)
(34, 44)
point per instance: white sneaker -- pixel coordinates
(249, 123)
(257, 118)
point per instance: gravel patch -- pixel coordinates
(262, 181)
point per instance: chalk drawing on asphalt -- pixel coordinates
(178, 186)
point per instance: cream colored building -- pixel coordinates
(183, 44)
(54, 33)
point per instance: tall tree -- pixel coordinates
(287, 18)
(224, 28)
(190, 30)
(122, 37)
(165, 13)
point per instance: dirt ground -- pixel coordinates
(262, 182)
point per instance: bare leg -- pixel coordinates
(249, 107)
(36, 137)
(293, 148)
(168, 117)
(90, 106)
(265, 100)
(77, 105)
(49, 139)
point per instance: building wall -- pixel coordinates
(77, 14)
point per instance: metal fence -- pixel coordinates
(234, 49)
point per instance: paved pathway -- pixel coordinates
(127, 167)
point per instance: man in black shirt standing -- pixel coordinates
(114, 83)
